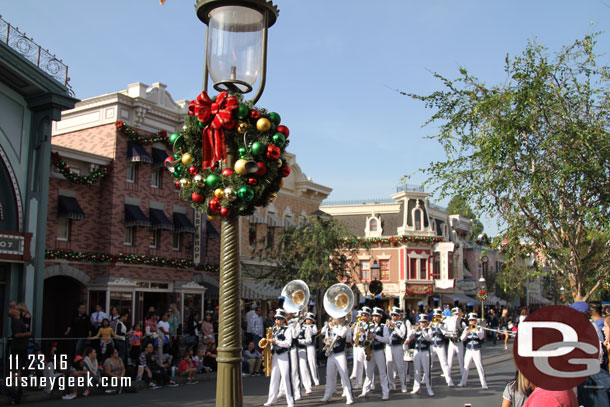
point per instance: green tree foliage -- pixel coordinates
(459, 206)
(319, 252)
(534, 151)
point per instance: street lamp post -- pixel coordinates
(482, 285)
(235, 58)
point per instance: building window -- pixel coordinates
(63, 229)
(365, 270)
(373, 225)
(153, 240)
(132, 173)
(417, 216)
(270, 236)
(384, 269)
(176, 241)
(436, 268)
(412, 269)
(128, 241)
(156, 176)
(252, 234)
(423, 269)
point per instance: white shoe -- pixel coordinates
(505, 347)
(269, 403)
(460, 384)
(308, 391)
(430, 393)
(324, 400)
(450, 384)
(484, 387)
(363, 395)
(404, 390)
(385, 397)
(415, 391)
(348, 402)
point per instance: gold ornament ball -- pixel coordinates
(230, 194)
(215, 217)
(242, 128)
(198, 180)
(187, 158)
(185, 182)
(219, 193)
(240, 167)
(263, 124)
(272, 197)
(279, 163)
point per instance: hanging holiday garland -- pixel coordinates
(396, 239)
(132, 135)
(606, 285)
(215, 127)
(92, 257)
(73, 177)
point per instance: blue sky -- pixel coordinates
(332, 66)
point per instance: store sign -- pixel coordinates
(466, 285)
(420, 289)
(13, 245)
(197, 238)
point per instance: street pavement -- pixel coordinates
(499, 368)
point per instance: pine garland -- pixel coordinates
(73, 177)
(397, 239)
(134, 136)
(93, 257)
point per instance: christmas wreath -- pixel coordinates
(212, 129)
(482, 295)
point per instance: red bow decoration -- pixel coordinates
(219, 112)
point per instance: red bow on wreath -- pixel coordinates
(219, 112)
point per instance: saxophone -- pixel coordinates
(357, 329)
(266, 346)
(367, 342)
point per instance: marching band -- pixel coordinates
(387, 347)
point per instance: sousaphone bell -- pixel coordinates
(338, 300)
(296, 296)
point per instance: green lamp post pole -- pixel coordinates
(482, 286)
(236, 56)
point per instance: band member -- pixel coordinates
(473, 338)
(280, 362)
(336, 335)
(455, 326)
(379, 337)
(437, 340)
(394, 353)
(421, 356)
(294, 357)
(361, 330)
(310, 320)
(304, 339)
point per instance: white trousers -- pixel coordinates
(377, 360)
(359, 362)
(440, 352)
(395, 363)
(469, 356)
(280, 378)
(304, 370)
(337, 363)
(421, 361)
(294, 372)
(453, 349)
(313, 364)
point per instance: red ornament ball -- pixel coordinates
(227, 172)
(262, 169)
(193, 170)
(273, 152)
(177, 184)
(285, 171)
(252, 182)
(284, 130)
(214, 205)
(255, 114)
(225, 212)
(197, 198)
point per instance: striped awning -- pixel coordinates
(158, 157)
(210, 231)
(258, 290)
(289, 222)
(493, 300)
(256, 218)
(68, 208)
(273, 221)
(182, 223)
(137, 153)
(135, 217)
(159, 220)
(538, 299)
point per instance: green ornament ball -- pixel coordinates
(275, 118)
(177, 156)
(212, 181)
(279, 139)
(243, 111)
(245, 193)
(258, 148)
(178, 167)
(242, 151)
(173, 137)
(177, 174)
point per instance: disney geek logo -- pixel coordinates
(557, 348)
